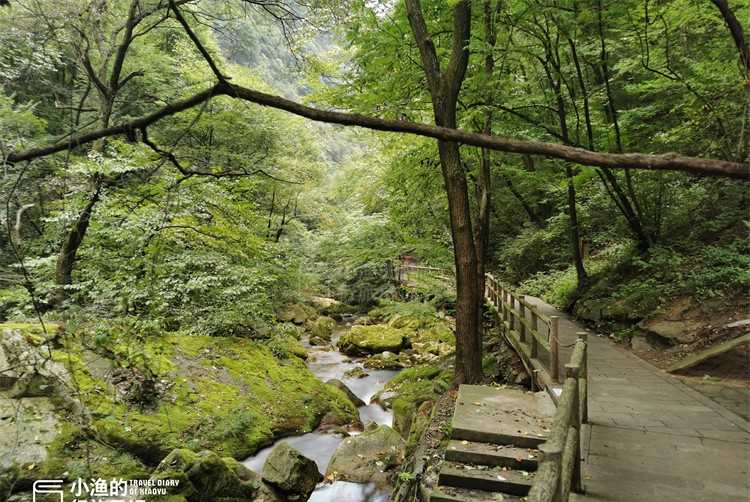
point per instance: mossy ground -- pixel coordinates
(230, 395)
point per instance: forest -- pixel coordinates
(207, 206)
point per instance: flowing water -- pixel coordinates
(328, 363)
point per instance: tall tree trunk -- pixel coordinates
(484, 179)
(108, 81)
(444, 88)
(468, 302)
(574, 228)
(644, 241)
(575, 232)
(605, 175)
(68, 252)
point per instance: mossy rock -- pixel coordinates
(8, 478)
(287, 329)
(296, 313)
(364, 340)
(356, 401)
(322, 328)
(418, 425)
(33, 332)
(285, 346)
(438, 332)
(226, 394)
(384, 361)
(206, 476)
(411, 321)
(290, 472)
(410, 389)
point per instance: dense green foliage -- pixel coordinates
(607, 76)
(258, 206)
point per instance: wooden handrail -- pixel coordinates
(513, 311)
(559, 470)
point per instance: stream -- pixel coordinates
(327, 363)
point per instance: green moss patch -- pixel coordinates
(363, 340)
(229, 395)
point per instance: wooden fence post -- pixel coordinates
(554, 348)
(506, 313)
(573, 372)
(521, 320)
(534, 333)
(583, 383)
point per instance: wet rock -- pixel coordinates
(365, 340)
(206, 476)
(316, 340)
(356, 401)
(367, 457)
(291, 473)
(357, 372)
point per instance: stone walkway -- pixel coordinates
(651, 437)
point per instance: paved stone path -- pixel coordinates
(651, 437)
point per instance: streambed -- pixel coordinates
(327, 363)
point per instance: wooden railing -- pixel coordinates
(404, 271)
(521, 322)
(533, 335)
(559, 469)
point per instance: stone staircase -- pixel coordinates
(492, 454)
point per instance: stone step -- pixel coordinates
(502, 416)
(520, 440)
(453, 494)
(469, 452)
(492, 479)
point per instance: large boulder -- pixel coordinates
(27, 369)
(674, 331)
(322, 328)
(356, 401)
(206, 476)
(322, 302)
(364, 340)
(27, 433)
(368, 457)
(291, 473)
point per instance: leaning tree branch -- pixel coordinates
(198, 44)
(188, 173)
(654, 162)
(738, 35)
